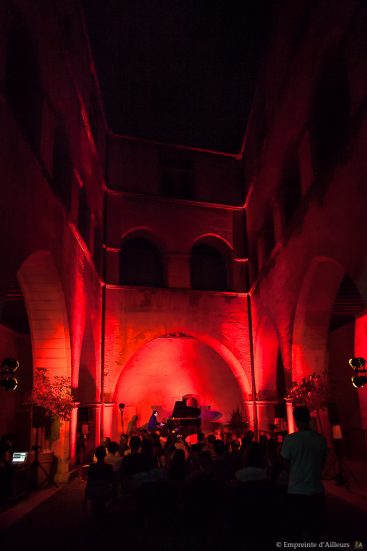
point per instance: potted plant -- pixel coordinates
(51, 400)
(312, 392)
(53, 395)
(238, 422)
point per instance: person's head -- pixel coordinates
(250, 435)
(135, 443)
(219, 447)
(205, 460)
(211, 439)
(106, 441)
(201, 437)
(155, 413)
(113, 447)
(236, 444)
(302, 417)
(100, 453)
(254, 456)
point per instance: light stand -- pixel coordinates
(36, 463)
(121, 408)
(344, 473)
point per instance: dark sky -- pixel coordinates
(179, 71)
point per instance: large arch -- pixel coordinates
(169, 366)
(312, 316)
(49, 327)
(221, 349)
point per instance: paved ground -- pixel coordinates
(62, 522)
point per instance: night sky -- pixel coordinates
(179, 71)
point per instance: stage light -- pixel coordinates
(360, 377)
(359, 381)
(357, 363)
(9, 365)
(7, 380)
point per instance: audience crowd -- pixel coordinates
(190, 483)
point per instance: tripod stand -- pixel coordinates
(338, 470)
(37, 465)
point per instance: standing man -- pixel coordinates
(304, 454)
(153, 423)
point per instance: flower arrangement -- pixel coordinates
(312, 392)
(54, 396)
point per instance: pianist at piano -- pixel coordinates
(184, 417)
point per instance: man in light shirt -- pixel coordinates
(304, 454)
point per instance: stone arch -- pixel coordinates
(142, 259)
(227, 355)
(49, 327)
(312, 316)
(210, 264)
(182, 363)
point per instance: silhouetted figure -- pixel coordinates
(7, 471)
(133, 462)
(235, 459)
(153, 422)
(304, 453)
(177, 470)
(114, 459)
(99, 488)
(255, 468)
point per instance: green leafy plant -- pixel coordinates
(53, 395)
(238, 421)
(312, 392)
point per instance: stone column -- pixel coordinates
(72, 434)
(291, 423)
(110, 416)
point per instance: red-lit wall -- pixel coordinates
(166, 369)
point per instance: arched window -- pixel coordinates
(22, 85)
(141, 263)
(208, 269)
(330, 113)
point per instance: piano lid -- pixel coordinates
(181, 410)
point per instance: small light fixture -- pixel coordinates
(359, 380)
(7, 380)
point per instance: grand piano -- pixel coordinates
(186, 418)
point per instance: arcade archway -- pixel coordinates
(171, 366)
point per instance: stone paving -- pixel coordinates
(62, 522)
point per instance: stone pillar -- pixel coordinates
(97, 420)
(109, 426)
(61, 448)
(291, 424)
(72, 435)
